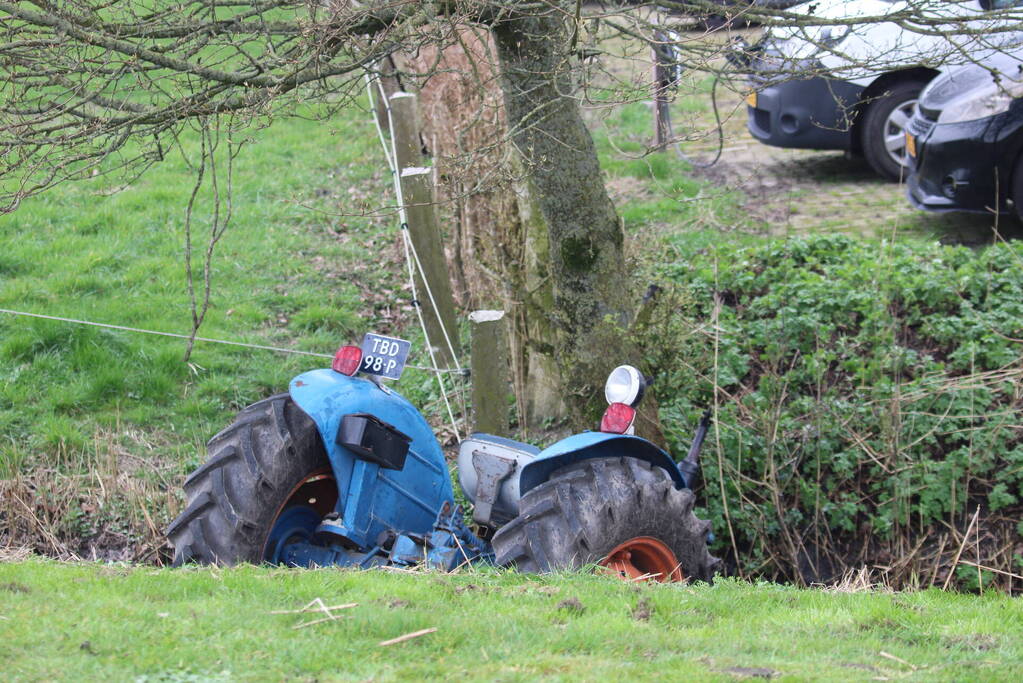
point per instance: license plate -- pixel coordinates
(910, 145)
(384, 356)
(751, 99)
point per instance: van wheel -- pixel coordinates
(883, 135)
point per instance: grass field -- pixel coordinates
(120, 623)
(110, 253)
(99, 427)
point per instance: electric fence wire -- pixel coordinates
(227, 342)
(411, 257)
(392, 161)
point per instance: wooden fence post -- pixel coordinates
(490, 384)
(664, 81)
(405, 129)
(424, 230)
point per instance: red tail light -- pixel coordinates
(347, 360)
(617, 418)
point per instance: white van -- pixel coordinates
(853, 86)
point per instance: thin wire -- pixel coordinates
(429, 293)
(411, 245)
(391, 154)
(125, 328)
(165, 334)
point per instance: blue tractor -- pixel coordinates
(344, 471)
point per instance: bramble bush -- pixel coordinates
(868, 400)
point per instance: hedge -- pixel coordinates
(867, 401)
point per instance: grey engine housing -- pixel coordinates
(488, 471)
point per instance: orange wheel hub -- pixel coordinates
(318, 491)
(644, 559)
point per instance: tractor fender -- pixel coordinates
(589, 445)
(373, 498)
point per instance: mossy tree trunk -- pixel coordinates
(592, 291)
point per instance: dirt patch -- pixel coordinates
(12, 587)
(627, 188)
(750, 672)
(572, 605)
(978, 642)
(643, 610)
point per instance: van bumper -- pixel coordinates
(812, 113)
(957, 166)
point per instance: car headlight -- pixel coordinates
(981, 103)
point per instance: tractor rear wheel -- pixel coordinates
(623, 513)
(269, 466)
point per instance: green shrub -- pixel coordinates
(868, 401)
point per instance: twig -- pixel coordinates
(400, 570)
(955, 562)
(407, 636)
(980, 575)
(303, 609)
(323, 608)
(320, 608)
(900, 660)
(937, 559)
(991, 569)
(464, 554)
(314, 621)
(716, 312)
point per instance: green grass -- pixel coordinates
(86, 621)
(280, 277)
(664, 191)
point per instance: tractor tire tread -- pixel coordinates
(253, 466)
(586, 509)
